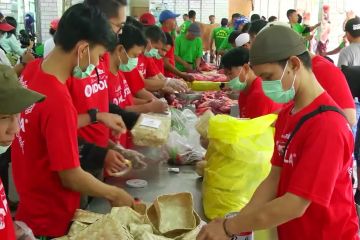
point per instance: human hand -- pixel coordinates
(213, 231)
(177, 84)
(27, 57)
(188, 77)
(158, 106)
(112, 121)
(136, 158)
(114, 162)
(122, 199)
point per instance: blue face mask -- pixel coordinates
(153, 53)
(274, 90)
(131, 64)
(79, 73)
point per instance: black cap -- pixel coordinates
(352, 26)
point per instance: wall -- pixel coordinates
(138, 7)
(6, 7)
(240, 6)
(48, 12)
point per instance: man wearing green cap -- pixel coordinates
(308, 193)
(13, 99)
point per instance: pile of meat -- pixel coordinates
(210, 76)
(173, 101)
(206, 67)
(217, 102)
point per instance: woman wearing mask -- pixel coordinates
(9, 41)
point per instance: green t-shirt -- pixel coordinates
(225, 44)
(299, 28)
(220, 34)
(184, 27)
(188, 50)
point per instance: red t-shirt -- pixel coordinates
(47, 144)
(7, 231)
(159, 64)
(91, 93)
(147, 67)
(134, 80)
(317, 167)
(254, 103)
(120, 94)
(170, 55)
(333, 81)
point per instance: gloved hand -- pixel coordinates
(136, 158)
(176, 84)
(23, 232)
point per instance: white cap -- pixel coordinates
(242, 39)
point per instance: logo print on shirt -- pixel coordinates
(142, 69)
(2, 218)
(4, 207)
(350, 171)
(23, 82)
(91, 89)
(291, 160)
(118, 89)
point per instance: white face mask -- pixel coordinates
(4, 149)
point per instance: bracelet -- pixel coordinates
(225, 229)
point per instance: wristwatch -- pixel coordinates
(92, 113)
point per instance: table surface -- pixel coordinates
(160, 182)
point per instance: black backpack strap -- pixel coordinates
(321, 109)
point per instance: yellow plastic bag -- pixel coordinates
(238, 158)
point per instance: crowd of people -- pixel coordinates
(65, 117)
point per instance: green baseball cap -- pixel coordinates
(276, 43)
(14, 98)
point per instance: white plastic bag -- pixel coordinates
(183, 145)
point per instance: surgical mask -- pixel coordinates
(131, 65)
(274, 90)
(4, 149)
(79, 73)
(153, 53)
(236, 84)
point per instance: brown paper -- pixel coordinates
(175, 213)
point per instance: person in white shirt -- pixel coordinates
(26, 57)
(9, 41)
(350, 55)
(49, 44)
